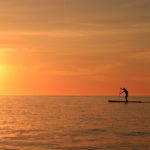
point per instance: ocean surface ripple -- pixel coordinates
(73, 123)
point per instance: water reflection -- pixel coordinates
(46, 122)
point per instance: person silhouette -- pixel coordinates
(126, 93)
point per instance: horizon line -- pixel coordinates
(75, 95)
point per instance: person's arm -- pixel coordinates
(121, 92)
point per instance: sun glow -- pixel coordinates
(74, 47)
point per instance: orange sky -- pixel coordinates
(74, 47)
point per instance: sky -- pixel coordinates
(74, 47)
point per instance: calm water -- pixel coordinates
(73, 123)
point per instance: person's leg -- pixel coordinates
(126, 97)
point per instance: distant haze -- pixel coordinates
(74, 47)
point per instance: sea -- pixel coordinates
(73, 123)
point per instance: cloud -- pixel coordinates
(41, 14)
(94, 39)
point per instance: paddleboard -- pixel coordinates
(118, 101)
